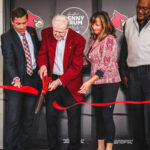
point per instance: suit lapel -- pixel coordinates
(16, 39)
(34, 42)
(68, 47)
(52, 42)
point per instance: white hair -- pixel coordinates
(60, 20)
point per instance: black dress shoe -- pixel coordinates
(141, 147)
(58, 147)
(74, 146)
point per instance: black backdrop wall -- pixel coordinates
(46, 9)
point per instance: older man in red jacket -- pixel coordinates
(61, 56)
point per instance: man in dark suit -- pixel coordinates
(19, 48)
(62, 52)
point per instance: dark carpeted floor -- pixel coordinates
(88, 146)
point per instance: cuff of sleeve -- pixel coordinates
(99, 73)
(60, 83)
(14, 79)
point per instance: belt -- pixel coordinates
(55, 76)
(140, 68)
(35, 71)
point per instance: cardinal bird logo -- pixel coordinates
(119, 20)
(34, 20)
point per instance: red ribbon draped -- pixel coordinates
(46, 80)
(25, 89)
(99, 104)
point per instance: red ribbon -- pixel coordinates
(46, 80)
(31, 90)
(26, 89)
(99, 104)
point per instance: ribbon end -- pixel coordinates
(58, 106)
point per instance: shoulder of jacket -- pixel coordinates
(30, 28)
(76, 35)
(6, 34)
(110, 36)
(131, 19)
(48, 29)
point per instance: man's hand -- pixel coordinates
(43, 71)
(54, 85)
(125, 81)
(17, 83)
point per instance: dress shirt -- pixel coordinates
(31, 47)
(58, 64)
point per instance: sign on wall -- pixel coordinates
(78, 19)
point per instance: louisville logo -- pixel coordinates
(34, 20)
(118, 20)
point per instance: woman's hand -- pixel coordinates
(85, 87)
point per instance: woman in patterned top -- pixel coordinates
(105, 78)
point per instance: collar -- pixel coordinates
(66, 35)
(20, 35)
(145, 22)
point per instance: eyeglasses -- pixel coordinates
(142, 8)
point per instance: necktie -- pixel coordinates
(28, 56)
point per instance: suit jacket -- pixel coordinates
(73, 59)
(14, 56)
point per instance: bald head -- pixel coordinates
(143, 10)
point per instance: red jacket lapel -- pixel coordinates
(51, 49)
(68, 47)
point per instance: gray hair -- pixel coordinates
(60, 20)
